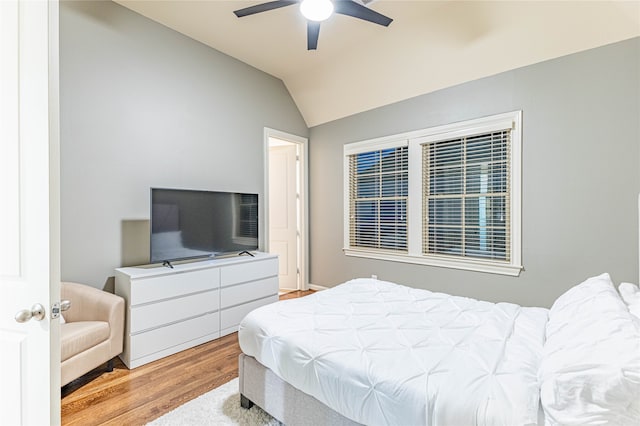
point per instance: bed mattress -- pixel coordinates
(382, 353)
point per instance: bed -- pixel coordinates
(374, 352)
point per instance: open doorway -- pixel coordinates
(285, 206)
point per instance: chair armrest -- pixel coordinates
(92, 304)
(88, 303)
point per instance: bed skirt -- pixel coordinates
(292, 407)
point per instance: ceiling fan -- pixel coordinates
(317, 11)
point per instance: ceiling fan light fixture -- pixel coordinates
(316, 10)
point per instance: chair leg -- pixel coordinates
(110, 365)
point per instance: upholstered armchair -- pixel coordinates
(92, 331)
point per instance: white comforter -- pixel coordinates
(381, 353)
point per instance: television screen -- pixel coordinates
(187, 224)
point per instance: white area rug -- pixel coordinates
(220, 406)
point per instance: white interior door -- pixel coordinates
(283, 212)
(29, 230)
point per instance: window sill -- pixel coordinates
(476, 265)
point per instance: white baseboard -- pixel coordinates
(316, 287)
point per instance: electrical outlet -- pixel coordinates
(374, 276)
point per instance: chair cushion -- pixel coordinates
(77, 337)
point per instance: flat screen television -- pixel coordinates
(190, 224)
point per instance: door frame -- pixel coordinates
(303, 203)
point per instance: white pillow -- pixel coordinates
(631, 295)
(590, 369)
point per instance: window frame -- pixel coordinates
(414, 140)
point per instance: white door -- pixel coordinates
(29, 240)
(283, 211)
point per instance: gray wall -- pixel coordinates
(142, 106)
(581, 137)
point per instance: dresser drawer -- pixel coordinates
(241, 293)
(144, 317)
(249, 271)
(231, 317)
(148, 342)
(145, 290)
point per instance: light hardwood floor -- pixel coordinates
(135, 397)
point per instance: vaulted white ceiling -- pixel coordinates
(429, 46)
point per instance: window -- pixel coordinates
(466, 196)
(378, 199)
(445, 196)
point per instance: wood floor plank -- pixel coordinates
(138, 396)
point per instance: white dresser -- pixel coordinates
(169, 310)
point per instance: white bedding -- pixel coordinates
(380, 353)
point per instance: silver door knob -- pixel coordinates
(36, 312)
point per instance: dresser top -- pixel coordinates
(156, 270)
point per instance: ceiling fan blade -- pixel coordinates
(313, 31)
(356, 10)
(263, 7)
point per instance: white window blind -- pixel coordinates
(466, 196)
(378, 189)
